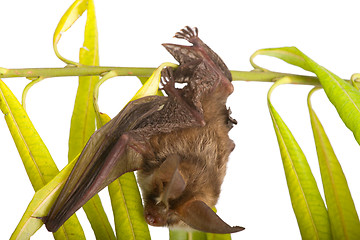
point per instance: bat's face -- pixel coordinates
(158, 214)
(162, 191)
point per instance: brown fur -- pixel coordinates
(204, 152)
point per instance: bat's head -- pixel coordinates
(169, 201)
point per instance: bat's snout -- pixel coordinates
(155, 219)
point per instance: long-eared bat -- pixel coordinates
(178, 144)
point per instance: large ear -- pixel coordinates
(201, 217)
(168, 173)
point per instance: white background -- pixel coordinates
(254, 193)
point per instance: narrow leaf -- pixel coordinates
(306, 200)
(187, 235)
(40, 205)
(355, 80)
(27, 88)
(127, 208)
(178, 235)
(214, 236)
(143, 81)
(83, 119)
(195, 235)
(151, 86)
(341, 94)
(342, 213)
(36, 158)
(69, 17)
(100, 119)
(287, 54)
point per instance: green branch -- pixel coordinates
(74, 71)
(256, 76)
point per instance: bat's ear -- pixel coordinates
(201, 217)
(168, 173)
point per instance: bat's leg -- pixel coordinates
(168, 82)
(189, 34)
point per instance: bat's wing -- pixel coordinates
(107, 155)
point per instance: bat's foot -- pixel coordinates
(189, 34)
(168, 82)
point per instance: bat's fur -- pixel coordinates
(204, 152)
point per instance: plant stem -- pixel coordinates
(74, 71)
(257, 76)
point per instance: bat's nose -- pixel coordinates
(155, 220)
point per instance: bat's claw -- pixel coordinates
(167, 80)
(188, 33)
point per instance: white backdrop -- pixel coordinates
(254, 193)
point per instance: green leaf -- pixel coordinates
(127, 208)
(195, 235)
(36, 158)
(83, 118)
(306, 200)
(342, 213)
(70, 16)
(214, 236)
(151, 86)
(187, 235)
(287, 54)
(101, 120)
(39, 207)
(27, 88)
(179, 235)
(341, 94)
(143, 81)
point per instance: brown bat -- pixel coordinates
(178, 144)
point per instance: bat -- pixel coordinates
(178, 144)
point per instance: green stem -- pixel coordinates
(74, 71)
(257, 76)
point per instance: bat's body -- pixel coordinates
(179, 144)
